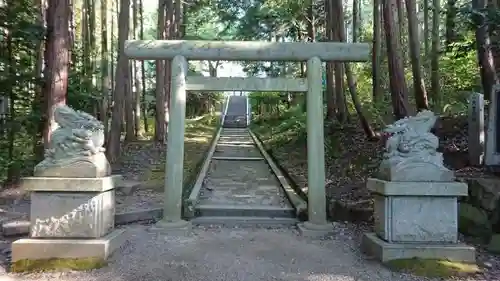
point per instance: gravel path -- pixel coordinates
(222, 254)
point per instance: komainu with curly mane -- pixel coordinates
(411, 151)
(76, 147)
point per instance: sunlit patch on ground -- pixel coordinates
(432, 267)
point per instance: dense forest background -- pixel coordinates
(426, 55)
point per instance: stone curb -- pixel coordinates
(195, 191)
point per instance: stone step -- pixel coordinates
(207, 210)
(227, 158)
(245, 221)
(234, 125)
(236, 143)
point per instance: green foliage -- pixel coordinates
(278, 123)
(21, 36)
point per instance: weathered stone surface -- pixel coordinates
(72, 215)
(71, 184)
(410, 152)
(41, 249)
(413, 171)
(416, 218)
(494, 245)
(476, 129)
(96, 166)
(76, 147)
(492, 153)
(416, 211)
(246, 50)
(17, 227)
(384, 251)
(389, 188)
(127, 187)
(251, 84)
(485, 193)
(473, 221)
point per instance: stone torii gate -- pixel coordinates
(181, 50)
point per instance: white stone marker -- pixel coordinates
(476, 129)
(415, 206)
(492, 150)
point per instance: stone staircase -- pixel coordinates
(236, 115)
(239, 187)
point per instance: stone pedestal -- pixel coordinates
(71, 218)
(416, 219)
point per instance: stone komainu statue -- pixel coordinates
(76, 147)
(411, 151)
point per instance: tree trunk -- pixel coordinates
(160, 80)
(418, 80)
(169, 33)
(340, 101)
(57, 58)
(330, 94)
(451, 16)
(137, 78)
(355, 21)
(485, 57)
(311, 28)
(122, 69)
(351, 82)
(105, 78)
(184, 23)
(38, 102)
(130, 131)
(399, 89)
(179, 14)
(377, 51)
(93, 52)
(436, 95)
(112, 56)
(143, 71)
(426, 27)
(401, 26)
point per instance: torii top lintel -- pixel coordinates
(246, 50)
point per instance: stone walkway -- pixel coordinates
(240, 182)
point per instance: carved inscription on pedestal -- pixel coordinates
(72, 215)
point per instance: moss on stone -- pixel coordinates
(432, 267)
(56, 264)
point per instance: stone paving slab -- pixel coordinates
(236, 150)
(241, 183)
(234, 139)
